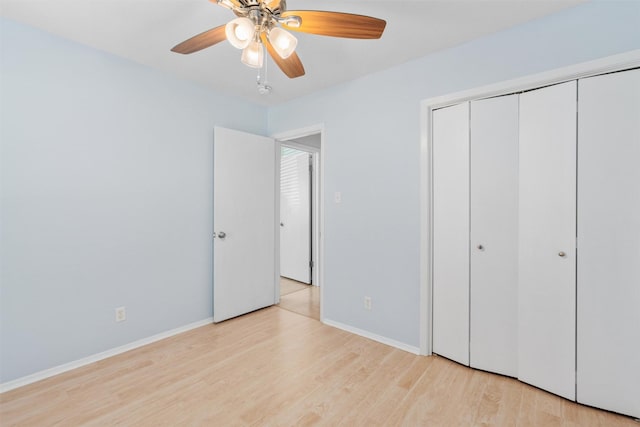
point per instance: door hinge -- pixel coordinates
(310, 264)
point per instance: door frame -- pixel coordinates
(604, 65)
(285, 139)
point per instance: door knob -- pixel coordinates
(282, 224)
(222, 234)
(480, 247)
(562, 254)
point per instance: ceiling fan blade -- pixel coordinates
(201, 41)
(337, 24)
(292, 66)
(233, 2)
(272, 4)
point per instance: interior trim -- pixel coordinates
(47, 373)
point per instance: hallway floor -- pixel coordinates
(300, 298)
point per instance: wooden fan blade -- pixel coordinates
(292, 66)
(337, 24)
(234, 2)
(272, 4)
(201, 41)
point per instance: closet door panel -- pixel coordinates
(494, 231)
(451, 232)
(547, 229)
(608, 371)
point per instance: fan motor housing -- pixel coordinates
(275, 7)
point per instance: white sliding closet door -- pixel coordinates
(494, 235)
(451, 232)
(609, 242)
(547, 230)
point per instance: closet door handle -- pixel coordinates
(562, 254)
(480, 247)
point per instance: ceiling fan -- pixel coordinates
(262, 22)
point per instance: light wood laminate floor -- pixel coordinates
(277, 368)
(300, 298)
(288, 286)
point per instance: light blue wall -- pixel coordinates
(106, 170)
(372, 152)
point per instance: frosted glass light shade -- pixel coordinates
(240, 32)
(283, 42)
(253, 55)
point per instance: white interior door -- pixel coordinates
(295, 215)
(547, 230)
(494, 235)
(244, 218)
(608, 374)
(451, 232)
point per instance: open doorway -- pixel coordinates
(299, 252)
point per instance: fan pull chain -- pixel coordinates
(263, 87)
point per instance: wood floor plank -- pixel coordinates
(305, 302)
(331, 404)
(364, 399)
(277, 368)
(288, 286)
(504, 397)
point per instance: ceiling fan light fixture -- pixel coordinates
(259, 26)
(240, 32)
(283, 42)
(253, 55)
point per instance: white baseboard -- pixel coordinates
(371, 336)
(19, 382)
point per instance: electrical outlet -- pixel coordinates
(367, 303)
(121, 314)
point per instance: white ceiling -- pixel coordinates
(145, 31)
